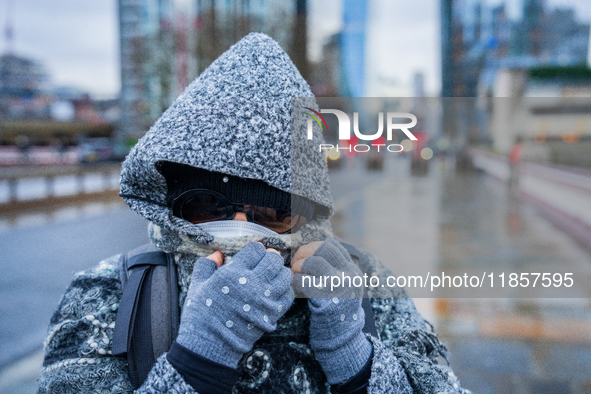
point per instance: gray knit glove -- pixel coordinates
(228, 309)
(337, 316)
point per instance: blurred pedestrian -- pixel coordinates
(24, 145)
(216, 179)
(514, 161)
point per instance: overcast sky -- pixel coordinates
(77, 40)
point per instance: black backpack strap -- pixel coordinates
(165, 307)
(370, 324)
(148, 316)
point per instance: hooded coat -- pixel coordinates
(236, 119)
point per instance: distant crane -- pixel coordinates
(8, 28)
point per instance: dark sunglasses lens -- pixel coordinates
(278, 221)
(200, 208)
(297, 222)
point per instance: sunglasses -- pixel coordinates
(203, 205)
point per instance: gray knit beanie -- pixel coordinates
(234, 119)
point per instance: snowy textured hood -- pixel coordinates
(234, 119)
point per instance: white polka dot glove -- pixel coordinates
(337, 317)
(228, 309)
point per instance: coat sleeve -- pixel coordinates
(78, 355)
(406, 350)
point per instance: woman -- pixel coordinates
(229, 194)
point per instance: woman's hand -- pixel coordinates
(229, 307)
(337, 318)
(328, 264)
(301, 254)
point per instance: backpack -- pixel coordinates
(148, 318)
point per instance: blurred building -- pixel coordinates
(452, 50)
(353, 47)
(326, 78)
(23, 82)
(476, 42)
(34, 113)
(486, 54)
(551, 36)
(549, 108)
(165, 44)
(346, 68)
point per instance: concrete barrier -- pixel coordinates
(562, 193)
(19, 185)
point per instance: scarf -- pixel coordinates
(188, 249)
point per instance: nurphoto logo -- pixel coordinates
(392, 124)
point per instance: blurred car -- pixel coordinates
(375, 161)
(94, 150)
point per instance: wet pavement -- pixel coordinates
(40, 252)
(437, 221)
(443, 221)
